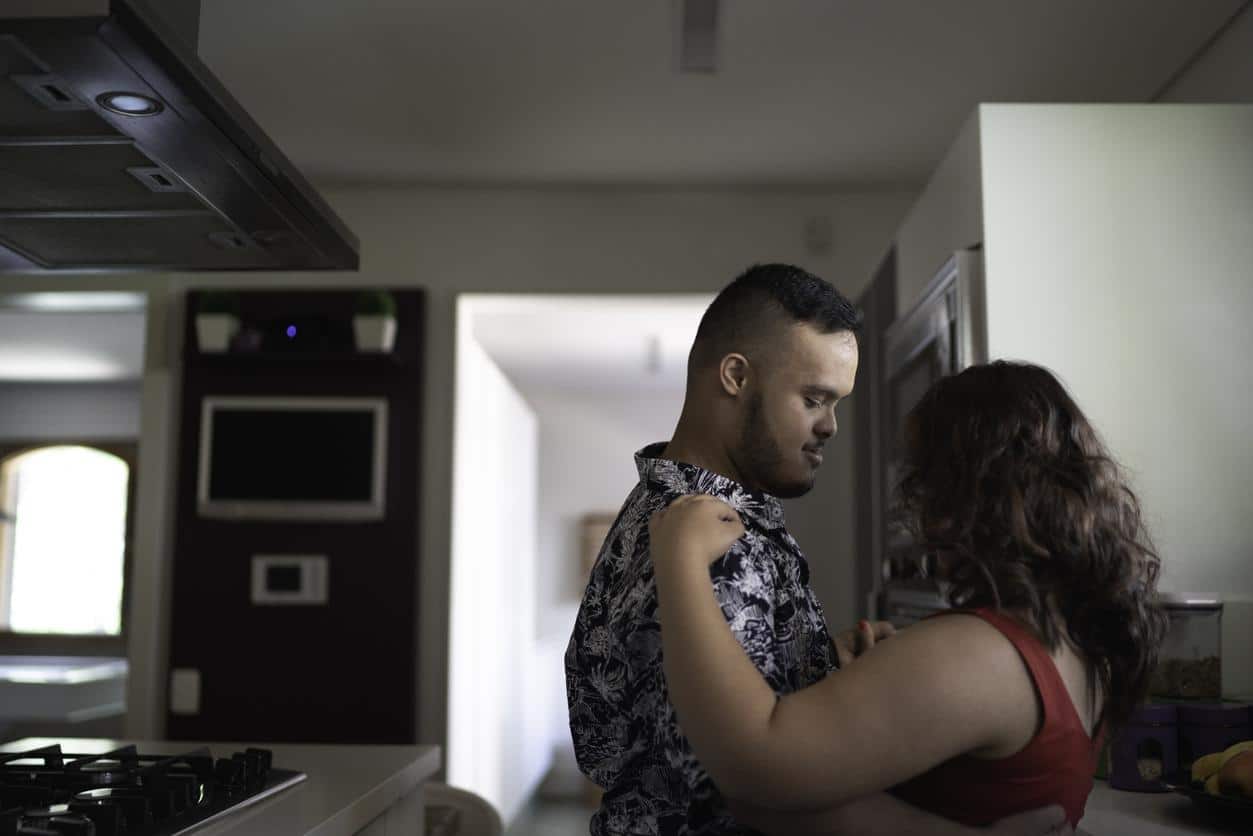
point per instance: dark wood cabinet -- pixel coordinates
(343, 671)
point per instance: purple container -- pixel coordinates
(1211, 727)
(1145, 750)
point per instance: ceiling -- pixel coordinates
(845, 93)
(589, 343)
(831, 93)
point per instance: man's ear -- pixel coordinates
(733, 374)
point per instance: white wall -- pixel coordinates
(575, 240)
(497, 746)
(587, 444)
(155, 491)
(947, 216)
(1118, 253)
(1224, 72)
(89, 411)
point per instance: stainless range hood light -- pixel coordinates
(130, 104)
(119, 150)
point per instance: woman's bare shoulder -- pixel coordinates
(962, 647)
(974, 661)
(959, 627)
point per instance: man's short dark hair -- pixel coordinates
(751, 310)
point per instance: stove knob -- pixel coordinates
(249, 768)
(265, 757)
(257, 767)
(183, 792)
(229, 775)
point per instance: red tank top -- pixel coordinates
(1055, 767)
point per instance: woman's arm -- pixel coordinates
(934, 691)
(874, 815)
(884, 815)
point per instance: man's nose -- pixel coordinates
(825, 428)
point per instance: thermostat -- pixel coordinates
(289, 579)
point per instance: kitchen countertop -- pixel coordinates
(348, 786)
(66, 689)
(1113, 812)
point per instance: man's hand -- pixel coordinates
(851, 643)
(1047, 821)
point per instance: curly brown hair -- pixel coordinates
(1006, 480)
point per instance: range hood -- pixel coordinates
(119, 150)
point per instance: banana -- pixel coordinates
(1203, 768)
(1236, 748)
(1211, 785)
(1236, 776)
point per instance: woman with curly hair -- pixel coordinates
(996, 706)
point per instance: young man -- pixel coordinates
(774, 354)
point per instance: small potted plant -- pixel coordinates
(217, 319)
(374, 321)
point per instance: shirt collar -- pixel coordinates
(680, 478)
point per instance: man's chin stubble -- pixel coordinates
(794, 490)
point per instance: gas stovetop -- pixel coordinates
(46, 792)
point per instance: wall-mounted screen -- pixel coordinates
(292, 458)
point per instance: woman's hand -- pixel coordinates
(696, 527)
(853, 642)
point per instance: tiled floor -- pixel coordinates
(551, 818)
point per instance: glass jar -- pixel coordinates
(1190, 662)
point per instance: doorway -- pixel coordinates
(554, 394)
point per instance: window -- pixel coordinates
(63, 544)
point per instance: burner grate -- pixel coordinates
(47, 792)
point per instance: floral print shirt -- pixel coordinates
(626, 737)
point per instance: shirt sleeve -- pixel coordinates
(744, 584)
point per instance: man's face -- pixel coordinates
(790, 411)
